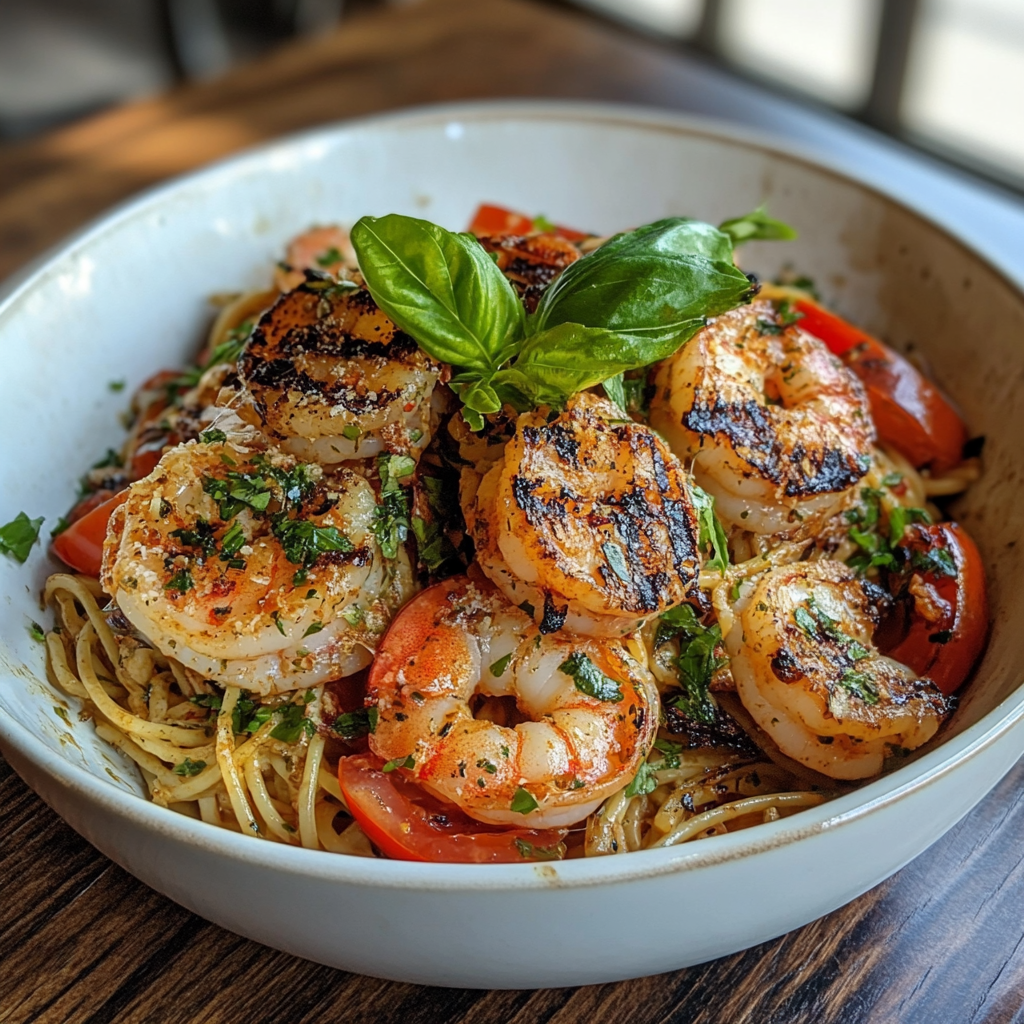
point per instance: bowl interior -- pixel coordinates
(131, 296)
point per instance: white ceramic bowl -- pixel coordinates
(127, 296)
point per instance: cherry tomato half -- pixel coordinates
(946, 605)
(81, 544)
(406, 823)
(910, 412)
(496, 220)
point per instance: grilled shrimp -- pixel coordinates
(586, 521)
(561, 724)
(778, 429)
(327, 249)
(808, 672)
(530, 262)
(331, 378)
(248, 566)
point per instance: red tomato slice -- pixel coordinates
(496, 220)
(910, 412)
(406, 823)
(944, 649)
(81, 544)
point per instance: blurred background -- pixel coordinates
(944, 75)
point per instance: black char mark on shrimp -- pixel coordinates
(749, 430)
(642, 528)
(270, 357)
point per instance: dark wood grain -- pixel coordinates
(82, 941)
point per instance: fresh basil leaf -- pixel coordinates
(674, 236)
(441, 288)
(569, 358)
(615, 389)
(757, 226)
(643, 284)
(478, 396)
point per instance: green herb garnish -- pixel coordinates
(188, 767)
(18, 536)
(523, 802)
(589, 679)
(711, 535)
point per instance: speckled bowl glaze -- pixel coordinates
(128, 296)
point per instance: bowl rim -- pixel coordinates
(869, 799)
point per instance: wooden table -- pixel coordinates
(82, 941)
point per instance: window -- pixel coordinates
(965, 81)
(822, 48)
(947, 75)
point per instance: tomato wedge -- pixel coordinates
(951, 585)
(910, 412)
(406, 823)
(81, 544)
(496, 220)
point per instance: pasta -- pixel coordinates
(763, 581)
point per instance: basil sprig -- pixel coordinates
(628, 304)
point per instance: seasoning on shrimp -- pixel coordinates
(561, 722)
(330, 377)
(779, 431)
(244, 566)
(807, 670)
(586, 522)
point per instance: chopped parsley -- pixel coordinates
(237, 491)
(188, 767)
(877, 548)
(697, 661)
(498, 667)
(353, 615)
(303, 542)
(710, 533)
(329, 257)
(200, 536)
(116, 385)
(181, 582)
(530, 852)
(352, 725)
(815, 623)
(18, 536)
(248, 715)
(292, 723)
(36, 632)
(523, 802)
(644, 781)
(399, 762)
(62, 525)
(212, 436)
(227, 351)
(313, 627)
(207, 700)
(937, 561)
(589, 679)
(391, 516)
(233, 541)
(488, 766)
(860, 684)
